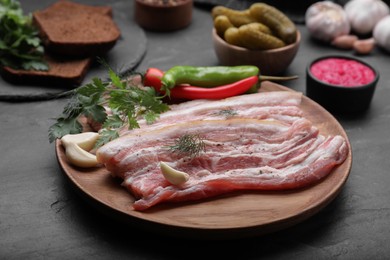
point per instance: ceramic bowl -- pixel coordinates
(270, 62)
(163, 17)
(344, 97)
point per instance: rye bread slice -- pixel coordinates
(69, 28)
(62, 72)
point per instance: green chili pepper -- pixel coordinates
(152, 78)
(206, 76)
(213, 76)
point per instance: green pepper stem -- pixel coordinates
(276, 78)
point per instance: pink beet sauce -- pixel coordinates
(342, 72)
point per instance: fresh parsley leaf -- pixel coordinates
(113, 121)
(73, 109)
(132, 122)
(64, 126)
(96, 88)
(20, 45)
(106, 135)
(35, 65)
(97, 112)
(150, 117)
(126, 102)
(115, 79)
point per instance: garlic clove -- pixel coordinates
(84, 140)
(364, 46)
(79, 157)
(175, 177)
(344, 41)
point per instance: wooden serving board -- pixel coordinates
(240, 214)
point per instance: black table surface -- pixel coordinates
(42, 217)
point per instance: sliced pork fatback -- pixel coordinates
(239, 154)
(281, 105)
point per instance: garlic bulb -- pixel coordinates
(381, 33)
(326, 20)
(363, 15)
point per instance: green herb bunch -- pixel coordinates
(126, 101)
(20, 45)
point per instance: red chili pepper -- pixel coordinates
(224, 91)
(153, 77)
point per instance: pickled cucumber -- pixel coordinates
(259, 26)
(232, 36)
(250, 37)
(276, 20)
(236, 17)
(254, 39)
(221, 24)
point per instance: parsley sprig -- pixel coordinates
(20, 45)
(126, 101)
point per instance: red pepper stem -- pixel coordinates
(276, 78)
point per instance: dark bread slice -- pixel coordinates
(62, 72)
(68, 28)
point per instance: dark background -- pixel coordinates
(42, 217)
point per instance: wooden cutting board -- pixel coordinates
(236, 215)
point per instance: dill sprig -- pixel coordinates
(126, 101)
(188, 144)
(228, 113)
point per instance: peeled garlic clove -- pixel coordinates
(175, 177)
(79, 157)
(85, 140)
(344, 41)
(364, 46)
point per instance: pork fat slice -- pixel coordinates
(282, 105)
(240, 154)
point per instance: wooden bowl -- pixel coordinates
(270, 62)
(344, 95)
(163, 17)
